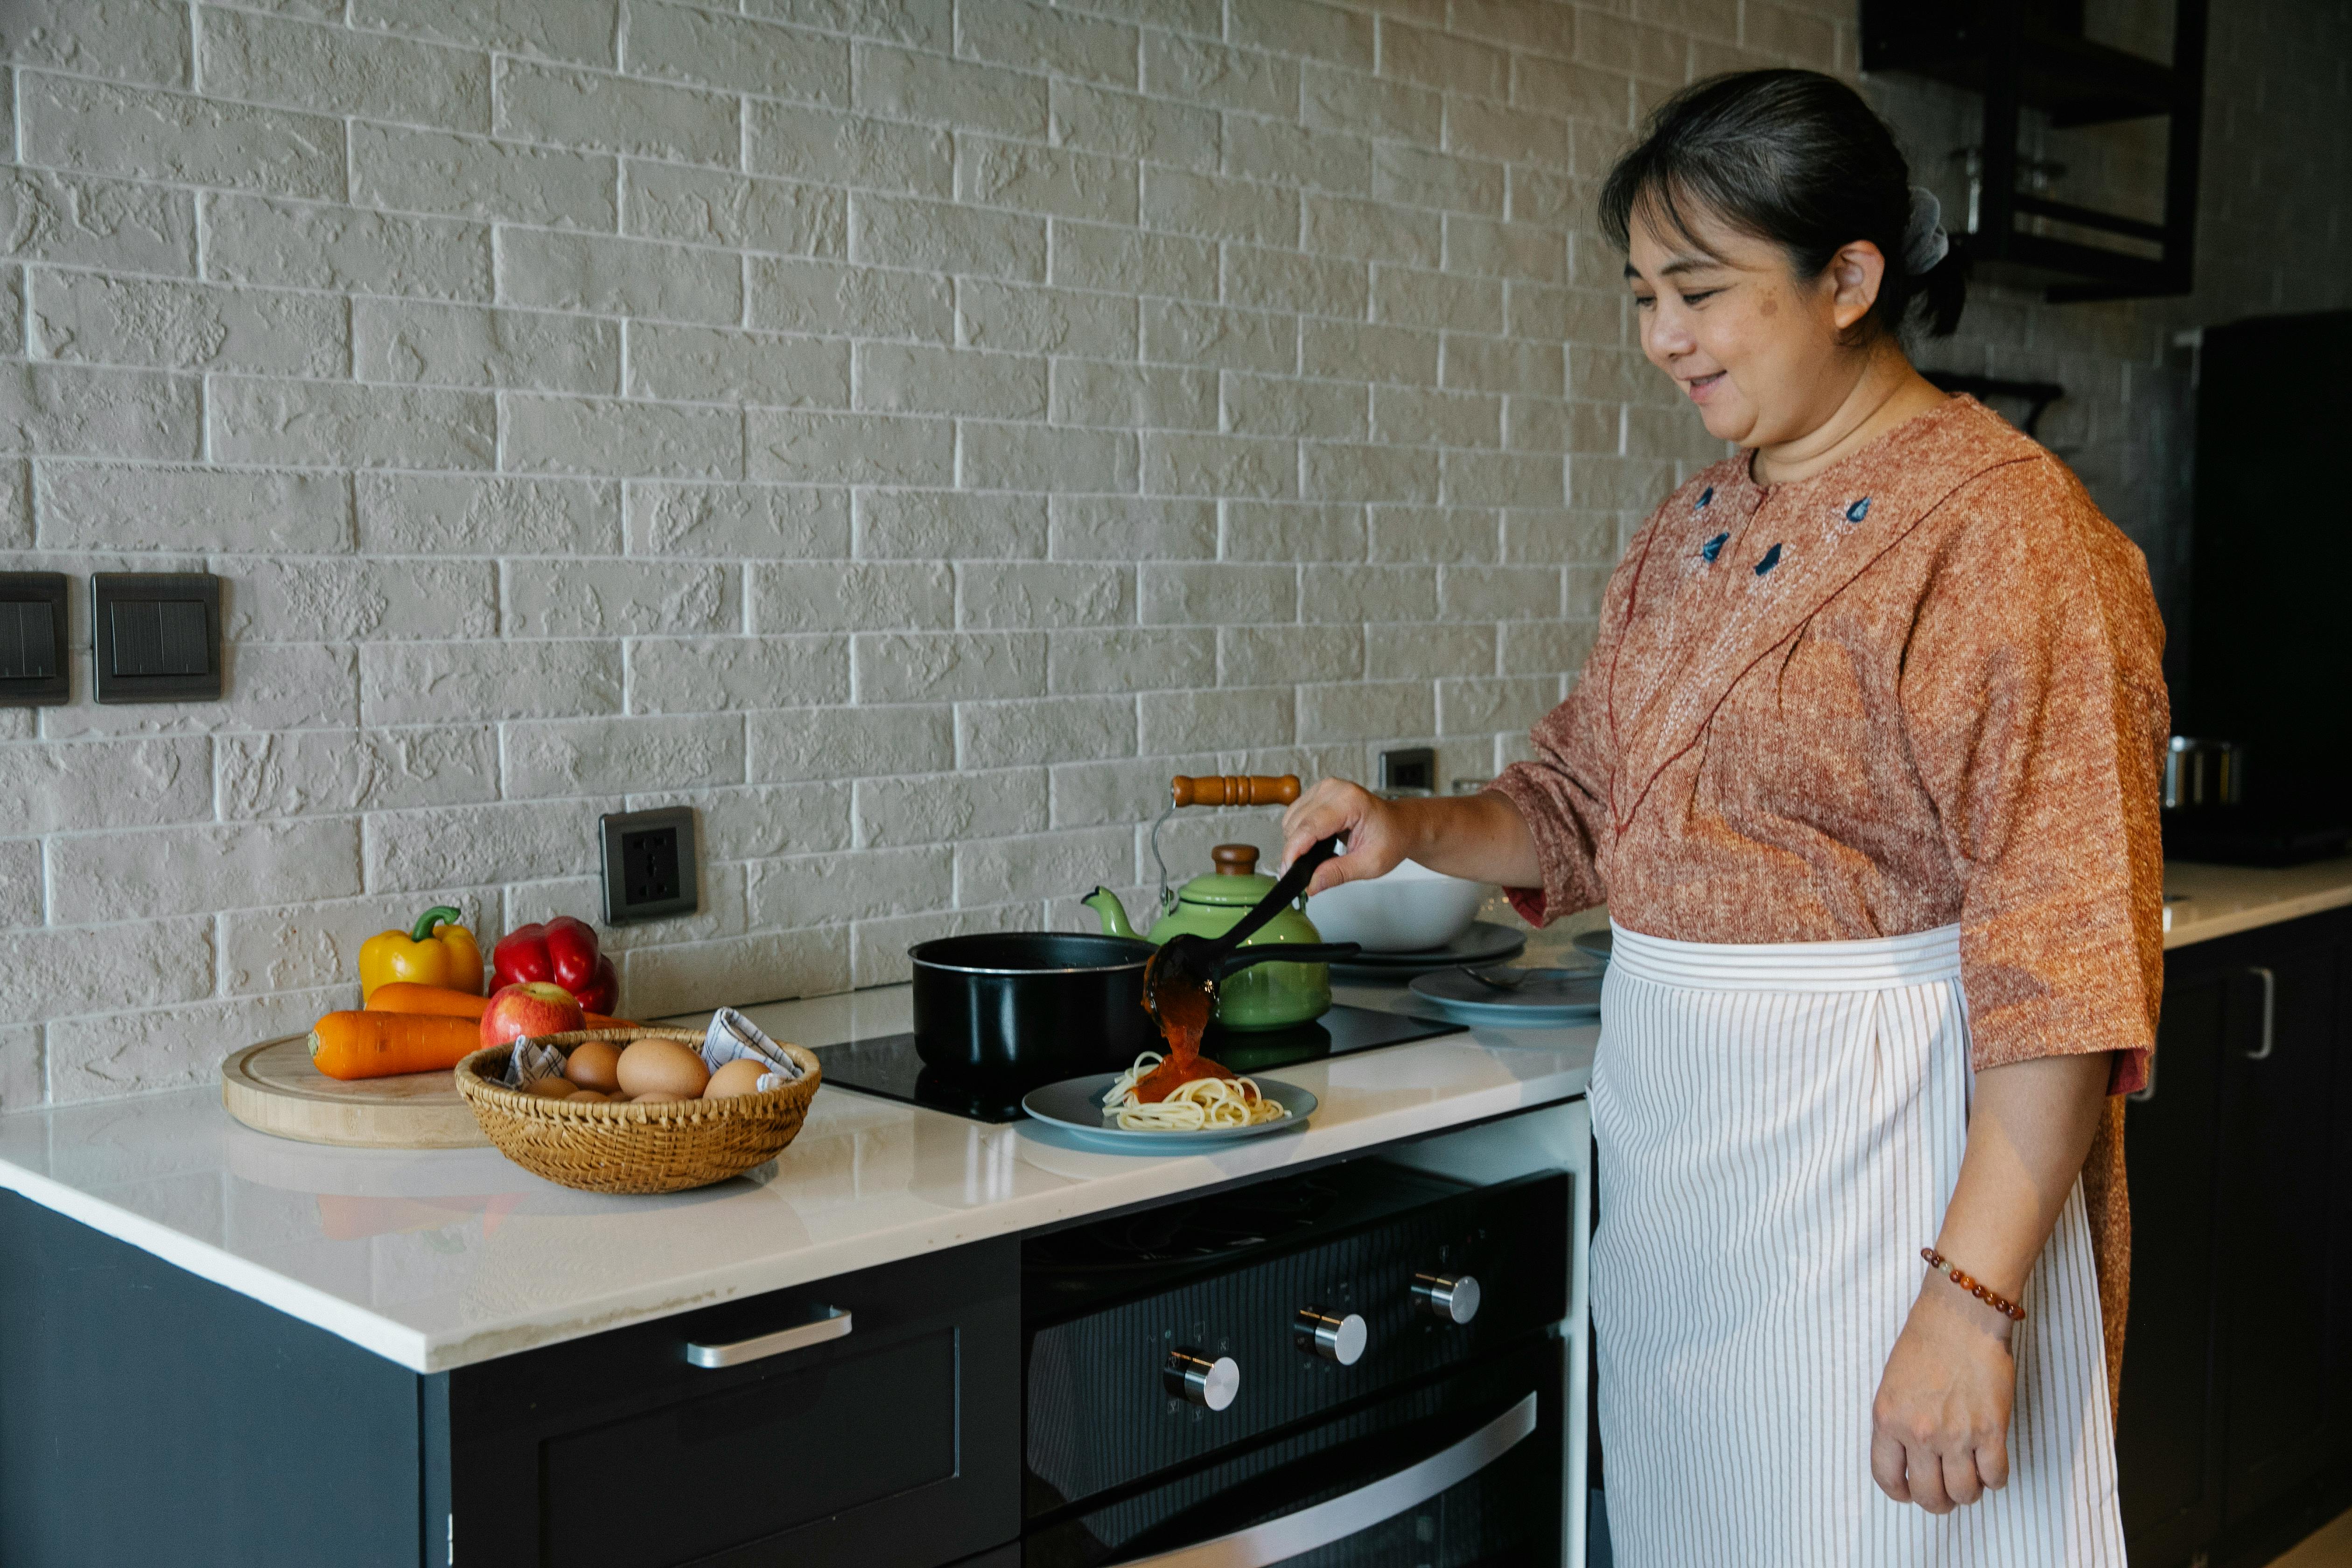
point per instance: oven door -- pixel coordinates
(1461, 1472)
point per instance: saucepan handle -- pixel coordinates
(1291, 953)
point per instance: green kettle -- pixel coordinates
(1265, 995)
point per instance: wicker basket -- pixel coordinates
(658, 1147)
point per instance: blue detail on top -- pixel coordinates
(1858, 510)
(1713, 547)
(1704, 496)
(1771, 559)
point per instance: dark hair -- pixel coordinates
(1794, 157)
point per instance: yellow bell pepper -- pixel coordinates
(448, 957)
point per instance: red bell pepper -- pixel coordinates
(562, 950)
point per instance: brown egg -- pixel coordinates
(658, 1098)
(587, 1097)
(551, 1087)
(591, 1066)
(736, 1077)
(661, 1067)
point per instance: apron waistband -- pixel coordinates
(1877, 964)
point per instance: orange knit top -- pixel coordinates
(1920, 688)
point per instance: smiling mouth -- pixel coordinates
(1700, 385)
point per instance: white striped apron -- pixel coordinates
(1779, 1128)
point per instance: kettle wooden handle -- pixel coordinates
(1234, 789)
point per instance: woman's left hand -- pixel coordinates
(1939, 1426)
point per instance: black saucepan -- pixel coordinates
(1031, 1008)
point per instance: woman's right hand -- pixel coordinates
(1372, 826)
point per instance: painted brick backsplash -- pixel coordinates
(906, 433)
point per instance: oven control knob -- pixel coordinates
(1339, 1339)
(1211, 1384)
(1452, 1299)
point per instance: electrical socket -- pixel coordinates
(649, 865)
(1412, 770)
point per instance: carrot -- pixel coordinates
(407, 996)
(380, 1045)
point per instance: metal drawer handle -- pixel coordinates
(833, 1325)
(1278, 1539)
(2270, 1011)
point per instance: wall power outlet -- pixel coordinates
(1410, 769)
(649, 865)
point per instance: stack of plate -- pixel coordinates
(1513, 998)
(1484, 943)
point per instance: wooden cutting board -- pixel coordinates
(273, 1088)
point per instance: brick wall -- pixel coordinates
(905, 432)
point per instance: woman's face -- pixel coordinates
(1759, 350)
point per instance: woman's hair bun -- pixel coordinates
(1797, 158)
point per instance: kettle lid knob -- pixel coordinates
(1235, 859)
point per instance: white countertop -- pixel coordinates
(437, 1258)
(2205, 902)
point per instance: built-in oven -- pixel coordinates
(1358, 1366)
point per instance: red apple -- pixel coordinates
(529, 1008)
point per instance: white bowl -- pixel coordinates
(1407, 910)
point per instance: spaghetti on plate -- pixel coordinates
(1194, 1106)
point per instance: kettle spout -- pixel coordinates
(1104, 902)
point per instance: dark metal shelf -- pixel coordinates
(2074, 79)
(2023, 56)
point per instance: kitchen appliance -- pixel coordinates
(892, 1066)
(2260, 657)
(1407, 908)
(1358, 1366)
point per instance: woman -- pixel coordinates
(1865, 760)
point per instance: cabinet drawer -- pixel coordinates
(722, 1437)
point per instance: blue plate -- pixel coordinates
(1075, 1106)
(1542, 997)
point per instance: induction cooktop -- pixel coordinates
(887, 1065)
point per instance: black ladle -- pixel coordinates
(1191, 963)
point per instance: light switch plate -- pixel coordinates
(156, 636)
(33, 670)
(649, 865)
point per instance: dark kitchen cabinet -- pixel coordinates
(2281, 1119)
(147, 1415)
(894, 1446)
(2235, 1368)
(2168, 1435)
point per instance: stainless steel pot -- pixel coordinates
(2203, 773)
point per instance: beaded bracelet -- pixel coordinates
(2002, 1304)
